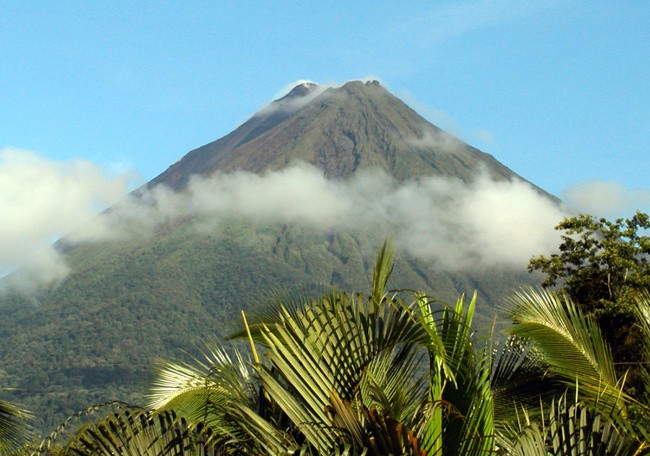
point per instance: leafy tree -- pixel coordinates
(603, 266)
(599, 261)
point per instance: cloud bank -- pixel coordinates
(458, 226)
(443, 220)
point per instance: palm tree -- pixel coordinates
(344, 373)
(592, 415)
(389, 373)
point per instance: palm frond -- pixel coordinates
(14, 426)
(331, 345)
(643, 310)
(519, 377)
(223, 393)
(571, 344)
(460, 379)
(382, 271)
(133, 432)
(219, 375)
(396, 383)
(573, 429)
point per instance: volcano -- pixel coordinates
(341, 131)
(128, 302)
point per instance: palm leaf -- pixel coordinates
(573, 429)
(333, 346)
(132, 432)
(519, 377)
(461, 420)
(643, 410)
(224, 394)
(382, 271)
(14, 426)
(571, 345)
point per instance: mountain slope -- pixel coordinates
(340, 131)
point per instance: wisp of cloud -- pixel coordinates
(40, 200)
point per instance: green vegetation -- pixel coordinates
(342, 375)
(603, 266)
(95, 338)
(382, 373)
(14, 427)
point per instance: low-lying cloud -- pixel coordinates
(458, 226)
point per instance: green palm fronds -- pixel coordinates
(14, 426)
(570, 428)
(571, 345)
(354, 374)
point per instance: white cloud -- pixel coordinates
(455, 225)
(607, 199)
(42, 199)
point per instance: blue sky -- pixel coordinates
(559, 91)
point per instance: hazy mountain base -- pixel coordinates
(96, 336)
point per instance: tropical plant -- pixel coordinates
(603, 266)
(14, 426)
(389, 373)
(600, 418)
(345, 373)
(570, 428)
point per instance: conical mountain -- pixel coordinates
(340, 131)
(130, 301)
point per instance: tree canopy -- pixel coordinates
(599, 260)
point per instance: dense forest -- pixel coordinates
(95, 337)
(386, 372)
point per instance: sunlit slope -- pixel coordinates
(340, 131)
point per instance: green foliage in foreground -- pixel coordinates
(343, 375)
(14, 427)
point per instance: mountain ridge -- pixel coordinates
(339, 130)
